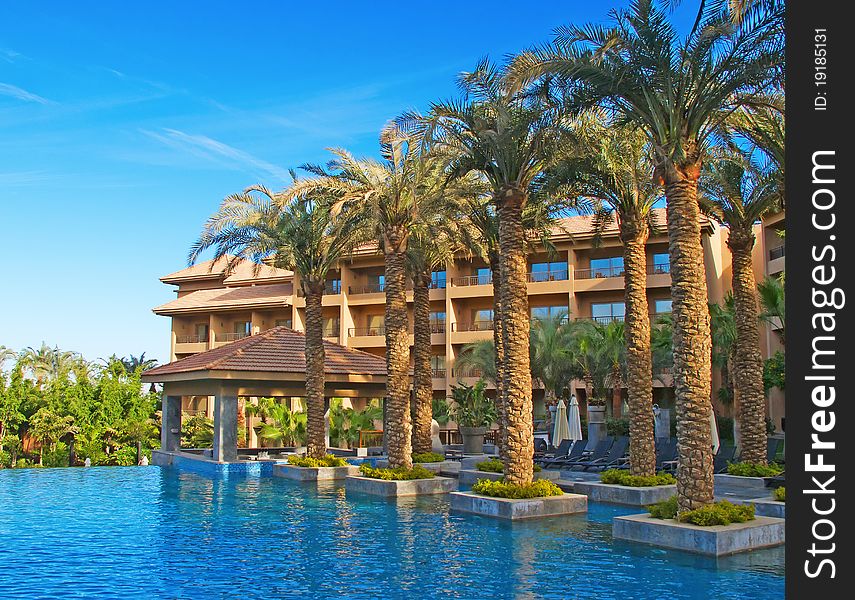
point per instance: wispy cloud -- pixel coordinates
(10, 55)
(215, 151)
(13, 91)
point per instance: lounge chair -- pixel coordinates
(573, 455)
(725, 455)
(600, 451)
(667, 455)
(540, 447)
(773, 444)
(615, 456)
(562, 450)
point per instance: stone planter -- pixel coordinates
(392, 489)
(513, 510)
(435, 467)
(473, 439)
(596, 424)
(468, 477)
(769, 507)
(313, 473)
(718, 540)
(622, 494)
(725, 482)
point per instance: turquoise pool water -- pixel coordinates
(157, 533)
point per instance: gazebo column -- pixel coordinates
(225, 426)
(170, 431)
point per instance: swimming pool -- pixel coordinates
(154, 532)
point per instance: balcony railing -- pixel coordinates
(371, 288)
(473, 326)
(437, 284)
(776, 253)
(539, 276)
(231, 337)
(606, 272)
(438, 373)
(366, 331)
(437, 327)
(472, 280)
(467, 372)
(605, 320)
(191, 339)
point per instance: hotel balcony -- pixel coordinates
(471, 286)
(190, 344)
(776, 260)
(368, 337)
(221, 339)
(548, 282)
(464, 333)
(611, 279)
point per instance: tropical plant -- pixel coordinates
(440, 411)
(678, 90)
(287, 428)
(197, 431)
(48, 427)
(299, 229)
(551, 360)
(723, 336)
(737, 193)
(471, 407)
(132, 363)
(773, 305)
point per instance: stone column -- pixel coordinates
(170, 432)
(225, 427)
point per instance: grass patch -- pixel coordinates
(780, 494)
(494, 465)
(327, 461)
(396, 474)
(621, 477)
(718, 513)
(539, 488)
(428, 457)
(745, 469)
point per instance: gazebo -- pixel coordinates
(271, 363)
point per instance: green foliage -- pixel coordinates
(396, 474)
(744, 469)
(472, 407)
(327, 461)
(493, 465)
(428, 457)
(197, 432)
(440, 410)
(774, 372)
(621, 477)
(126, 456)
(539, 488)
(725, 428)
(718, 513)
(56, 456)
(616, 427)
(287, 428)
(347, 423)
(780, 494)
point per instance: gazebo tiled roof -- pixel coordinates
(277, 350)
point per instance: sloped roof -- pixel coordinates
(242, 271)
(256, 296)
(277, 350)
(582, 226)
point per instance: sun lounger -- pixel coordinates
(573, 455)
(725, 455)
(615, 456)
(600, 451)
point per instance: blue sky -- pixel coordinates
(122, 125)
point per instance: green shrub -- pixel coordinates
(327, 461)
(539, 488)
(621, 477)
(125, 456)
(617, 427)
(428, 457)
(744, 469)
(780, 494)
(494, 465)
(396, 474)
(718, 513)
(56, 457)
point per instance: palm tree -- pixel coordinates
(772, 302)
(617, 178)
(551, 360)
(509, 139)
(132, 363)
(394, 194)
(723, 335)
(599, 352)
(738, 193)
(678, 91)
(298, 230)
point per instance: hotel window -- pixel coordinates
(662, 306)
(607, 312)
(283, 323)
(376, 283)
(548, 271)
(333, 286)
(331, 325)
(437, 365)
(437, 322)
(242, 328)
(374, 325)
(607, 267)
(483, 275)
(661, 263)
(437, 279)
(548, 312)
(482, 319)
(201, 332)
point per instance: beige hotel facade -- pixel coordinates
(579, 277)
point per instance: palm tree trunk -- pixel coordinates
(315, 427)
(748, 363)
(422, 379)
(499, 347)
(639, 363)
(399, 424)
(692, 345)
(617, 397)
(519, 468)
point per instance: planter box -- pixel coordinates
(313, 473)
(468, 477)
(735, 482)
(436, 467)
(718, 540)
(513, 510)
(469, 462)
(391, 489)
(622, 494)
(769, 507)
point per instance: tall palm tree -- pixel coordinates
(617, 177)
(678, 90)
(551, 360)
(393, 194)
(509, 139)
(738, 193)
(132, 363)
(298, 230)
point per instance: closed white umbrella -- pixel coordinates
(561, 430)
(714, 432)
(574, 420)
